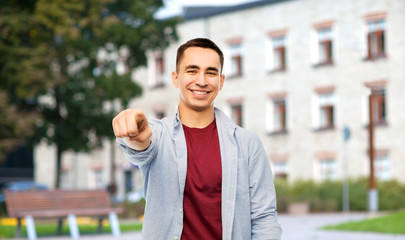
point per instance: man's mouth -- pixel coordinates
(199, 92)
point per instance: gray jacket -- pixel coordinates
(248, 194)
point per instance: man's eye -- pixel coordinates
(212, 73)
(191, 71)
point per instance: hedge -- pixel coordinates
(327, 196)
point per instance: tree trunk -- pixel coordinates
(58, 166)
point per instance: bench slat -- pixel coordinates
(64, 213)
(44, 202)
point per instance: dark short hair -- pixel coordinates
(202, 43)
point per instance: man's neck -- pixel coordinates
(196, 119)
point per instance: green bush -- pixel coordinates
(133, 210)
(327, 196)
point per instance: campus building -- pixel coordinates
(298, 72)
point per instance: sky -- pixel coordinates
(174, 7)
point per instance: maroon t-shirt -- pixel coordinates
(202, 193)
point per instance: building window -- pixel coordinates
(379, 106)
(65, 178)
(156, 69)
(378, 103)
(325, 46)
(236, 60)
(128, 181)
(281, 166)
(328, 169)
(276, 51)
(324, 109)
(280, 116)
(237, 114)
(382, 166)
(159, 65)
(376, 39)
(281, 170)
(277, 114)
(279, 53)
(98, 178)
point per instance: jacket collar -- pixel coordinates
(223, 121)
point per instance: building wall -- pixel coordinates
(301, 146)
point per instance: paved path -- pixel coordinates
(306, 227)
(295, 227)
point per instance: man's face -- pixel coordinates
(198, 78)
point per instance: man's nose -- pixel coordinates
(201, 80)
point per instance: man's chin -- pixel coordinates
(201, 108)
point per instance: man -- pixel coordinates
(204, 176)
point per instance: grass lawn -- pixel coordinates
(392, 223)
(49, 229)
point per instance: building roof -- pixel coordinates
(196, 12)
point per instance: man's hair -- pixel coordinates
(202, 43)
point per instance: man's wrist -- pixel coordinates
(137, 146)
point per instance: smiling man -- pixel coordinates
(204, 176)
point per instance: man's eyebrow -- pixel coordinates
(213, 69)
(192, 67)
(197, 67)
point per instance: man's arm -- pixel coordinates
(263, 196)
(132, 126)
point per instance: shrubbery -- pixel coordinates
(327, 196)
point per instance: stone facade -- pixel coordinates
(322, 85)
(301, 149)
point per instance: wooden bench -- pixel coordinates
(61, 204)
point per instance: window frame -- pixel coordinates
(378, 91)
(236, 59)
(379, 106)
(280, 114)
(324, 109)
(279, 53)
(281, 170)
(325, 45)
(376, 46)
(156, 68)
(281, 166)
(277, 114)
(238, 119)
(330, 166)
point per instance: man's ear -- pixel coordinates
(221, 81)
(175, 79)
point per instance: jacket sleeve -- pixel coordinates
(262, 195)
(141, 158)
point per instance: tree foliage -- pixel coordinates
(54, 75)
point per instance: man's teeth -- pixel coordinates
(198, 92)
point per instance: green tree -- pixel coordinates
(78, 93)
(22, 74)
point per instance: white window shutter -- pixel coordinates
(315, 112)
(270, 116)
(314, 48)
(269, 51)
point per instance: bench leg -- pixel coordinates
(29, 221)
(115, 227)
(100, 225)
(60, 224)
(18, 228)
(73, 228)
